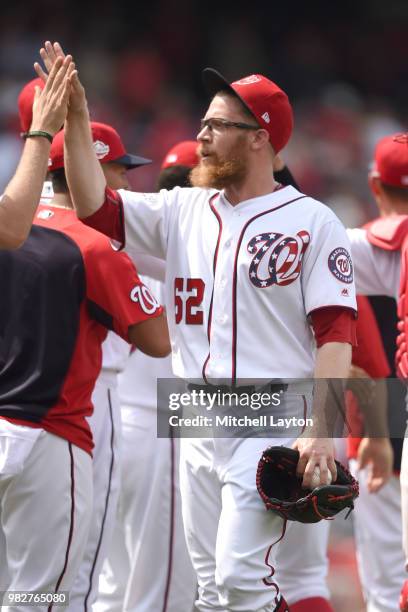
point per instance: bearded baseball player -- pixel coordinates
(214, 239)
(211, 235)
(129, 580)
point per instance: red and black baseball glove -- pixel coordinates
(281, 489)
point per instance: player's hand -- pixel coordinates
(377, 455)
(49, 55)
(50, 105)
(316, 454)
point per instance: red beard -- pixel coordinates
(220, 174)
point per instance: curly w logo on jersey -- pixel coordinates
(277, 258)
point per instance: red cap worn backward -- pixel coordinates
(25, 103)
(107, 144)
(391, 160)
(264, 99)
(182, 154)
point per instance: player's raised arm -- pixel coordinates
(84, 175)
(22, 194)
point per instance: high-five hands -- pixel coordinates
(51, 54)
(51, 103)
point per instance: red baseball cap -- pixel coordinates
(182, 154)
(25, 103)
(391, 160)
(107, 144)
(263, 98)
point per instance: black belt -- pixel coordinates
(242, 390)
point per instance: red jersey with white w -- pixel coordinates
(61, 292)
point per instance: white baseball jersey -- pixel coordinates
(115, 353)
(242, 279)
(377, 272)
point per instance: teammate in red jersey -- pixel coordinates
(61, 292)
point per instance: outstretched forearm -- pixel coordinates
(315, 445)
(22, 194)
(85, 177)
(333, 361)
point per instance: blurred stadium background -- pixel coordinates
(343, 64)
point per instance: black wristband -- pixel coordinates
(285, 177)
(37, 133)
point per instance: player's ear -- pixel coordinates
(260, 139)
(374, 184)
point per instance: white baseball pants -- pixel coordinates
(302, 563)
(231, 537)
(378, 532)
(148, 567)
(46, 504)
(105, 425)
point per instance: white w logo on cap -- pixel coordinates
(266, 118)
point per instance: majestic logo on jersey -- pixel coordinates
(277, 258)
(147, 302)
(340, 265)
(101, 149)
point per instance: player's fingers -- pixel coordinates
(45, 59)
(331, 464)
(75, 82)
(53, 74)
(40, 72)
(375, 483)
(64, 91)
(324, 471)
(302, 463)
(69, 68)
(62, 71)
(308, 473)
(58, 50)
(73, 78)
(50, 51)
